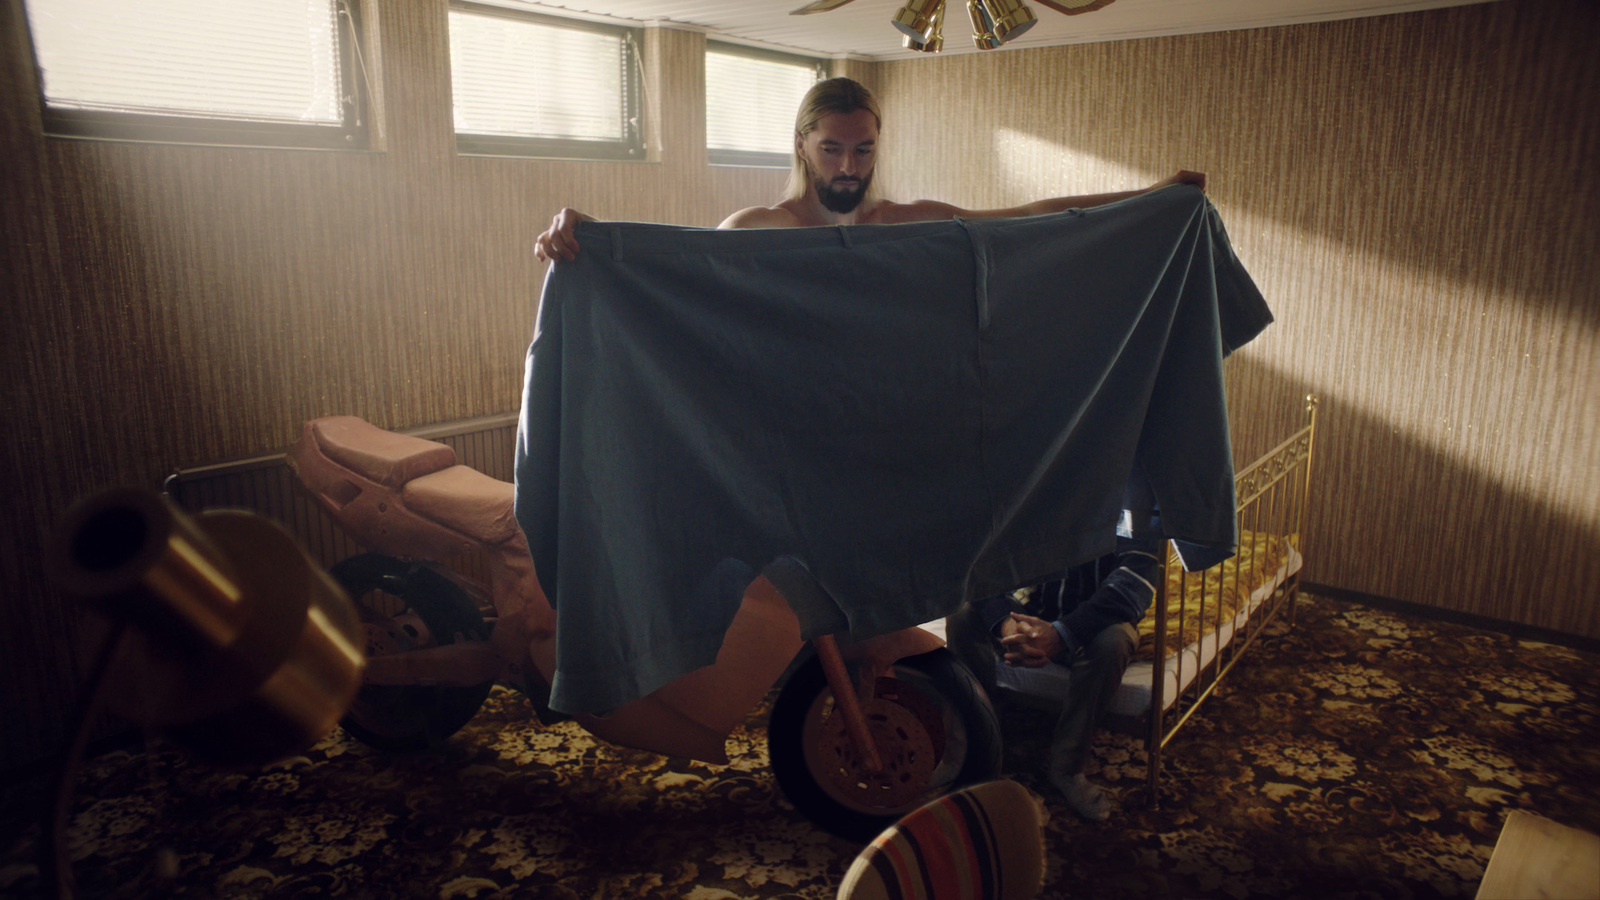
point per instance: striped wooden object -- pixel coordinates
(984, 842)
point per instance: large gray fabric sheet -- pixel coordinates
(909, 415)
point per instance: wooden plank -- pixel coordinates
(1536, 859)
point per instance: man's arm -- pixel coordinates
(934, 211)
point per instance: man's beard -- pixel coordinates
(842, 199)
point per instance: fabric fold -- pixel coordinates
(915, 414)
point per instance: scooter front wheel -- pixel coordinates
(932, 724)
(409, 606)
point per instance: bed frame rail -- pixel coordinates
(1272, 494)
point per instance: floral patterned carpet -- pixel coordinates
(1357, 755)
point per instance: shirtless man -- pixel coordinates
(830, 179)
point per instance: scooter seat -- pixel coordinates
(385, 457)
(466, 500)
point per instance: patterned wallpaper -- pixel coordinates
(1418, 198)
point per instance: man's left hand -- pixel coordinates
(1034, 643)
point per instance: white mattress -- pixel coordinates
(1133, 695)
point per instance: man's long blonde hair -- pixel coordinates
(835, 95)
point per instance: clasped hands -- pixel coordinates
(1029, 641)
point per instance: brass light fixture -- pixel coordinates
(918, 18)
(930, 40)
(994, 22)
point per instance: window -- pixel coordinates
(254, 72)
(530, 85)
(751, 98)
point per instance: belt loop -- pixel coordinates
(616, 241)
(844, 236)
(980, 270)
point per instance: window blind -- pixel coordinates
(516, 77)
(271, 61)
(751, 103)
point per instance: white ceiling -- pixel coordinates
(862, 29)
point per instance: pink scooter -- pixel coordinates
(852, 755)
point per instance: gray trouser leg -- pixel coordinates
(967, 639)
(1095, 676)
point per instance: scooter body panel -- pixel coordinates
(691, 716)
(372, 512)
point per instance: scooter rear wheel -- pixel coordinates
(409, 606)
(933, 726)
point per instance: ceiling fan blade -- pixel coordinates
(818, 6)
(1074, 7)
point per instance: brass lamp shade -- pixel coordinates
(239, 646)
(994, 22)
(918, 18)
(933, 41)
(982, 28)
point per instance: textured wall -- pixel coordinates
(1417, 196)
(182, 305)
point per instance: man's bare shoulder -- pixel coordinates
(762, 217)
(887, 212)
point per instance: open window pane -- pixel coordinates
(751, 99)
(527, 85)
(111, 68)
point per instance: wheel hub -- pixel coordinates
(904, 748)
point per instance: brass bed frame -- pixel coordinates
(1272, 494)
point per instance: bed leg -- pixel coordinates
(1153, 788)
(1158, 682)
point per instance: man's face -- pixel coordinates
(840, 153)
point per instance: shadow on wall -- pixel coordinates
(1386, 508)
(1435, 139)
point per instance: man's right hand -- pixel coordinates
(558, 242)
(1032, 641)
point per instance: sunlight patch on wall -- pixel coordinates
(1469, 373)
(1481, 377)
(1028, 167)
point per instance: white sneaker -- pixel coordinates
(1084, 797)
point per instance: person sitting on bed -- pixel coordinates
(1069, 644)
(830, 178)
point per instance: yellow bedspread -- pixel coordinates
(1215, 595)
